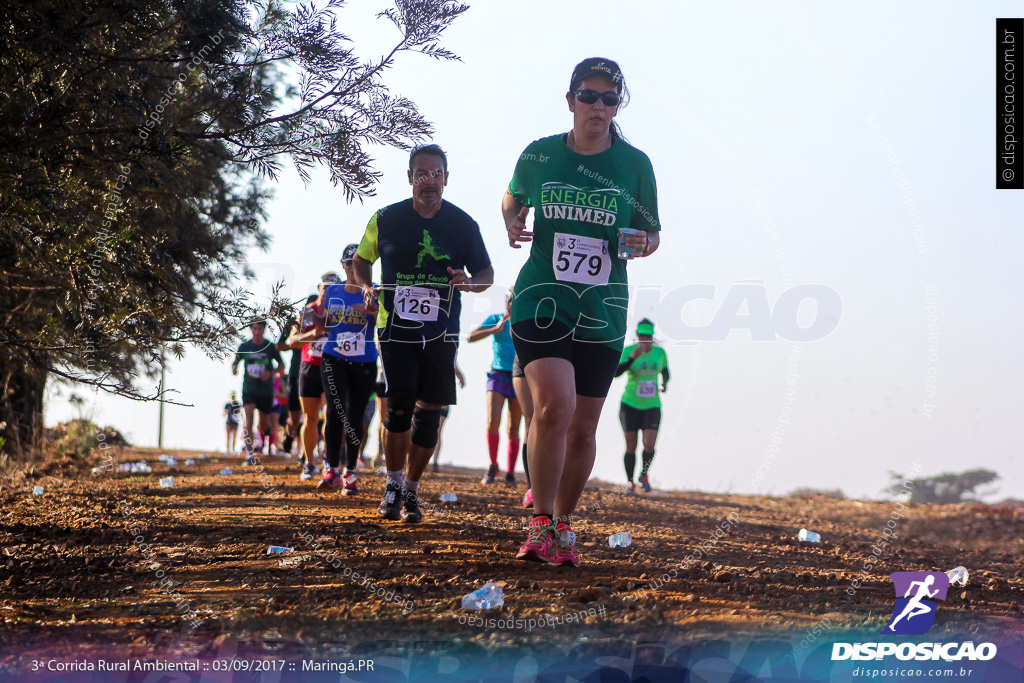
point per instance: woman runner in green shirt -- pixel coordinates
(640, 409)
(569, 311)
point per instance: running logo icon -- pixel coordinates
(914, 612)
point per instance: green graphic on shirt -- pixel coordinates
(429, 251)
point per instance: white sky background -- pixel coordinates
(752, 113)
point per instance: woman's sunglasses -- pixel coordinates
(610, 99)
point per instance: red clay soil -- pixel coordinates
(82, 564)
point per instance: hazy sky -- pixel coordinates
(849, 147)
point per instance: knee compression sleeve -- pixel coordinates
(425, 426)
(400, 412)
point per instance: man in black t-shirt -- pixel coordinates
(425, 246)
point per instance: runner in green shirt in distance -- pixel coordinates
(640, 409)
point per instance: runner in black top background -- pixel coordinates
(425, 246)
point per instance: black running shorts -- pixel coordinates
(263, 402)
(633, 419)
(594, 363)
(422, 370)
(293, 394)
(310, 384)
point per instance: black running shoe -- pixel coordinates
(492, 472)
(411, 513)
(391, 506)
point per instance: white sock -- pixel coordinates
(411, 485)
(395, 478)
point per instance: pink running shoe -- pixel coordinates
(563, 550)
(331, 480)
(349, 480)
(539, 540)
(528, 499)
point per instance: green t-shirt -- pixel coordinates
(256, 358)
(580, 201)
(641, 390)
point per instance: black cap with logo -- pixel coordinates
(595, 65)
(349, 254)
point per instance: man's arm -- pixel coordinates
(363, 271)
(481, 280)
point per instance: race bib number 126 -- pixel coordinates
(417, 303)
(581, 259)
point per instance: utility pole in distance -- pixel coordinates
(160, 428)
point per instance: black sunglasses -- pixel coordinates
(610, 99)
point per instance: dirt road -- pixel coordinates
(87, 566)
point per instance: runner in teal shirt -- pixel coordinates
(500, 390)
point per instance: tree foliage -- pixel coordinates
(136, 141)
(943, 488)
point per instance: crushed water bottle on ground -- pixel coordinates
(487, 597)
(276, 549)
(620, 540)
(957, 575)
(809, 536)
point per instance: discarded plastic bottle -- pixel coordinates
(190, 462)
(620, 540)
(448, 498)
(957, 575)
(167, 482)
(276, 549)
(37, 491)
(225, 472)
(488, 597)
(809, 536)
(171, 462)
(202, 456)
